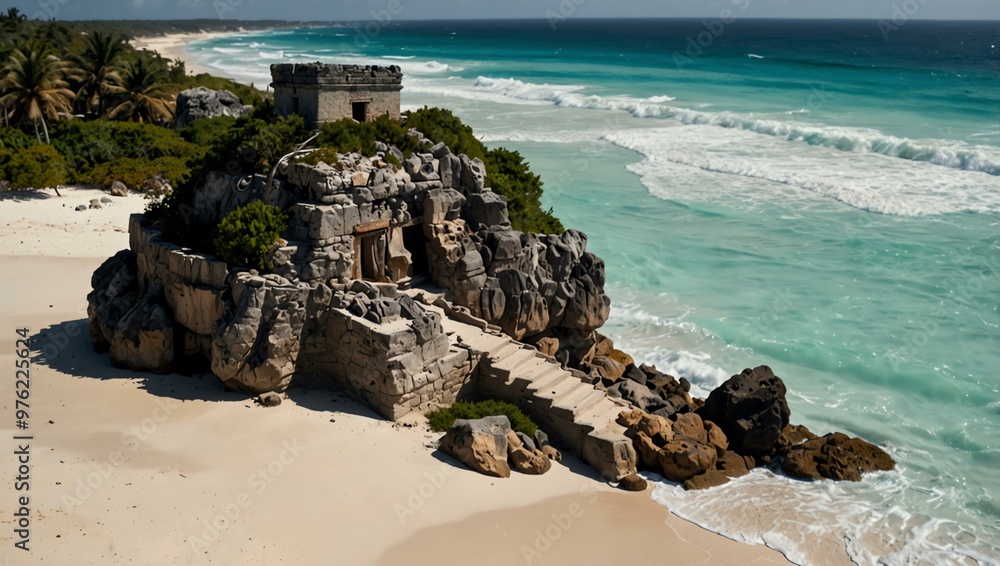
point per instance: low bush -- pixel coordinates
(326, 155)
(135, 172)
(246, 234)
(36, 167)
(442, 419)
(88, 144)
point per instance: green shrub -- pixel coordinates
(510, 176)
(135, 172)
(12, 138)
(442, 419)
(246, 234)
(207, 132)
(36, 167)
(441, 125)
(86, 145)
(326, 155)
(252, 145)
(246, 93)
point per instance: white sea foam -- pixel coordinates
(865, 181)
(827, 522)
(945, 153)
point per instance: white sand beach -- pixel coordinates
(171, 46)
(136, 468)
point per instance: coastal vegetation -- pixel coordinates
(442, 419)
(106, 109)
(246, 234)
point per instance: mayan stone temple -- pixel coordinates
(327, 93)
(404, 286)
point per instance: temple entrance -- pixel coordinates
(359, 111)
(371, 246)
(416, 244)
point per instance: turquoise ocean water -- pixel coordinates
(820, 198)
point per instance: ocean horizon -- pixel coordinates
(822, 197)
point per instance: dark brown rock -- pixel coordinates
(792, 435)
(751, 409)
(734, 465)
(683, 458)
(269, 399)
(633, 482)
(532, 462)
(710, 479)
(691, 426)
(835, 456)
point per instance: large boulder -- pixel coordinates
(835, 456)
(684, 458)
(203, 102)
(751, 409)
(144, 336)
(115, 291)
(480, 444)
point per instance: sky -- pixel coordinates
(360, 10)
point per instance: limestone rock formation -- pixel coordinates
(480, 444)
(835, 456)
(751, 409)
(203, 102)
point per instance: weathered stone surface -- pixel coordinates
(203, 102)
(118, 189)
(633, 482)
(659, 429)
(143, 339)
(115, 292)
(552, 453)
(532, 462)
(751, 409)
(734, 465)
(479, 444)
(835, 456)
(707, 480)
(792, 435)
(269, 399)
(611, 454)
(683, 458)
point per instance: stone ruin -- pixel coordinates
(334, 310)
(408, 288)
(323, 93)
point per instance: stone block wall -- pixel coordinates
(325, 93)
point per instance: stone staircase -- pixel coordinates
(574, 413)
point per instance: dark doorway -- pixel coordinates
(295, 104)
(373, 255)
(414, 242)
(359, 110)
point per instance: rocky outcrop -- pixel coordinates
(751, 409)
(479, 444)
(136, 328)
(678, 449)
(203, 102)
(835, 456)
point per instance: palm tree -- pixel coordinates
(12, 21)
(34, 87)
(101, 69)
(145, 97)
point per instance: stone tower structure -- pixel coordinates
(323, 93)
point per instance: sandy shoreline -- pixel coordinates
(133, 467)
(172, 46)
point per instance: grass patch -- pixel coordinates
(442, 419)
